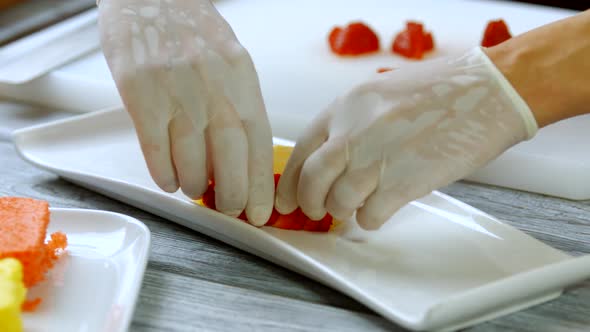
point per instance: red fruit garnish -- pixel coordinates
(496, 32)
(209, 196)
(355, 39)
(319, 225)
(242, 216)
(413, 42)
(296, 220)
(274, 216)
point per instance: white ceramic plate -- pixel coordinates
(94, 287)
(437, 264)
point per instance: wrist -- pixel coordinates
(550, 68)
(516, 102)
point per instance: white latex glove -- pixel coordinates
(398, 137)
(194, 97)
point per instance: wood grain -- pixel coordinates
(195, 283)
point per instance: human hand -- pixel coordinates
(193, 94)
(398, 137)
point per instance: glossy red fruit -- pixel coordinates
(319, 225)
(296, 220)
(293, 221)
(209, 196)
(496, 32)
(413, 42)
(356, 38)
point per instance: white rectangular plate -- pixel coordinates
(437, 264)
(94, 286)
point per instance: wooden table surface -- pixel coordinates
(195, 283)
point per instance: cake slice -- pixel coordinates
(23, 229)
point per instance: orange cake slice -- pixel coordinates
(23, 229)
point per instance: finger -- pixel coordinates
(189, 155)
(381, 205)
(397, 186)
(229, 152)
(187, 128)
(149, 109)
(155, 145)
(378, 208)
(250, 107)
(210, 76)
(226, 140)
(403, 177)
(350, 190)
(260, 172)
(313, 137)
(318, 173)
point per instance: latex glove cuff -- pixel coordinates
(518, 104)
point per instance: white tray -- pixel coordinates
(94, 287)
(437, 264)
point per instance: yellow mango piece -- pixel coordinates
(281, 156)
(12, 294)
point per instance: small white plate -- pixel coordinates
(94, 286)
(437, 264)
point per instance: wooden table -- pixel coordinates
(195, 283)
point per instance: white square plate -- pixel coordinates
(437, 264)
(94, 286)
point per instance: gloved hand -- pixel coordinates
(194, 97)
(398, 137)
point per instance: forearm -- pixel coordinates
(550, 68)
